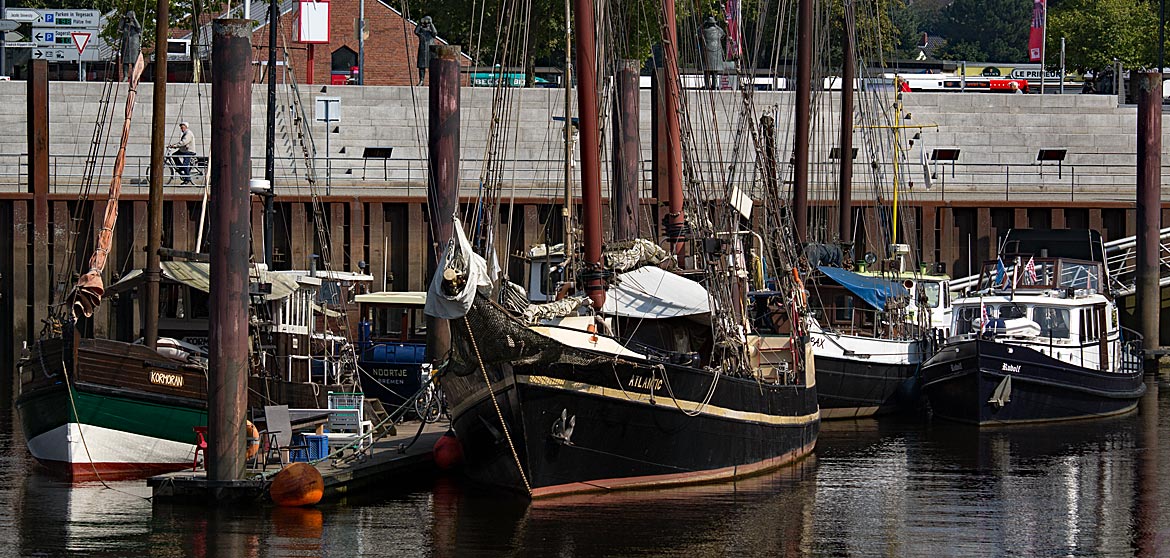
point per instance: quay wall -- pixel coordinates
(373, 209)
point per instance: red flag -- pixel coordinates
(1036, 38)
(731, 13)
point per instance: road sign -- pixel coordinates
(53, 55)
(50, 37)
(8, 25)
(80, 40)
(69, 18)
(21, 44)
(21, 14)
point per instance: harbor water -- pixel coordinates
(900, 486)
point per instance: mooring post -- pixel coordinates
(1149, 209)
(627, 147)
(231, 167)
(38, 185)
(443, 194)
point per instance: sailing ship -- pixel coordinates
(99, 408)
(1039, 340)
(650, 372)
(875, 319)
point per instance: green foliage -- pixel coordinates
(1098, 31)
(988, 30)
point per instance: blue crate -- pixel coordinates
(295, 455)
(318, 446)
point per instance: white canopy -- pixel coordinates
(651, 292)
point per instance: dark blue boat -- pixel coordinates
(1039, 341)
(391, 345)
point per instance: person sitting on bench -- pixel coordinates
(182, 156)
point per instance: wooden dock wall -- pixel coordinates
(390, 236)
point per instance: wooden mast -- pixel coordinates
(845, 151)
(155, 206)
(803, 118)
(590, 151)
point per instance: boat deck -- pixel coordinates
(392, 459)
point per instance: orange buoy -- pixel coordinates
(448, 452)
(299, 484)
(253, 440)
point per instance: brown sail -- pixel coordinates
(87, 295)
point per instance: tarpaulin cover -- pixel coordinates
(651, 292)
(873, 290)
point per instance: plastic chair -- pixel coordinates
(200, 445)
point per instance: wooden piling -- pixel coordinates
(231, 141)
(1149, 214)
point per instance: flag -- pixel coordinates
(731, 14)
(1030, 269)
(1015, 273)
(1036, 37)
(1000, 272)
(982, 316)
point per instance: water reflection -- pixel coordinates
(900, 487)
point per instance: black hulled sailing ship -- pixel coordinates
(663, 384)
(1039, 341)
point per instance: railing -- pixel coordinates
(406, 175)
(1120, 258)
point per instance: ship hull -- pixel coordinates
(864, 376)
(553, 418)
(966, 382)
(105, 421)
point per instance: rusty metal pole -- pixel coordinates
(155, 205)
(803, 117)
(231, 167)
(845, 152)
(443, 194)
(659, 179)
(1149, 207)
(587, 111)
(627, 149)
(37, 106)
(675, 221)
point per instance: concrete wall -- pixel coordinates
(998, 137)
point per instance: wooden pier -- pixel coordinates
(393, 460)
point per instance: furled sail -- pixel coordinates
(461, 272)
(87, 295)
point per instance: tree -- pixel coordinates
(986, 30)
(1098, 31)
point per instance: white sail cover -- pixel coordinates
(459, 256)
(651, 292)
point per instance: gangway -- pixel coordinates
(1120, 258)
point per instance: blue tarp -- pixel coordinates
(873, 290)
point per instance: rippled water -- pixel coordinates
(901, 487)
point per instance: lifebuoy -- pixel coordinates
(253, 440)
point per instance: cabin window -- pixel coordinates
(843, 309)
(329, 293)
(1011, 311)
(964, 316)
(1079, 276)
(1088, 327)
(198, 301)
(1053, 321)
(170, 300)
(931, 291)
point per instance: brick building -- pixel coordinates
(391, 46)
